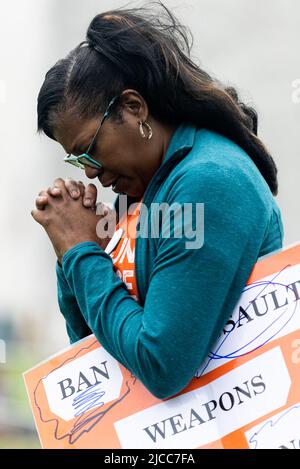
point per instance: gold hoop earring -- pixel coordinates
(150, 132)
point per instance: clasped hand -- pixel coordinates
(67, 211)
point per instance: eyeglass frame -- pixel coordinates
(75, 160)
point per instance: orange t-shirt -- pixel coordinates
(123, 256)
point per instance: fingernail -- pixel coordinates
(87, 201)
(74, 193)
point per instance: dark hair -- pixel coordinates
(149, 51)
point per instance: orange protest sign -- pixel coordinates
(246, 394)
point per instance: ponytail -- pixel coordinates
(149, 51)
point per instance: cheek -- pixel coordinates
(91, 173)
(128, 155)
(127, 151)
(126, 164)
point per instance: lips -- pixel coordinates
(112, 182)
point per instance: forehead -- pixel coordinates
(72, 130)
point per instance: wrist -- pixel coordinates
(81, 247)
(69, 244)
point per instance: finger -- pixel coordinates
(81, 187)
(54, 191)
(41, 202)
(90, 196)
(42, 192)
(60, 184)
(102, 209)
(73, 188)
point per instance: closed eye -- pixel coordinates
(79, 150)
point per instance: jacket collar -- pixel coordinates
(182, 140)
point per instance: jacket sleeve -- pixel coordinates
(191, 292)
(76, 325)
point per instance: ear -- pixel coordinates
(134, 104)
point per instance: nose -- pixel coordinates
(92, 173)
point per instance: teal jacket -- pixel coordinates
(186, 295)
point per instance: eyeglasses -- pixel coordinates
(84, 159)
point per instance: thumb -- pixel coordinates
(38, 216)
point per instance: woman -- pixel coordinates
(168, 134)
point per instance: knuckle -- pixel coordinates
(58, 182)
(54, 190)
(41, 201)
(72, 187)
(69, 181)
(46, 220)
